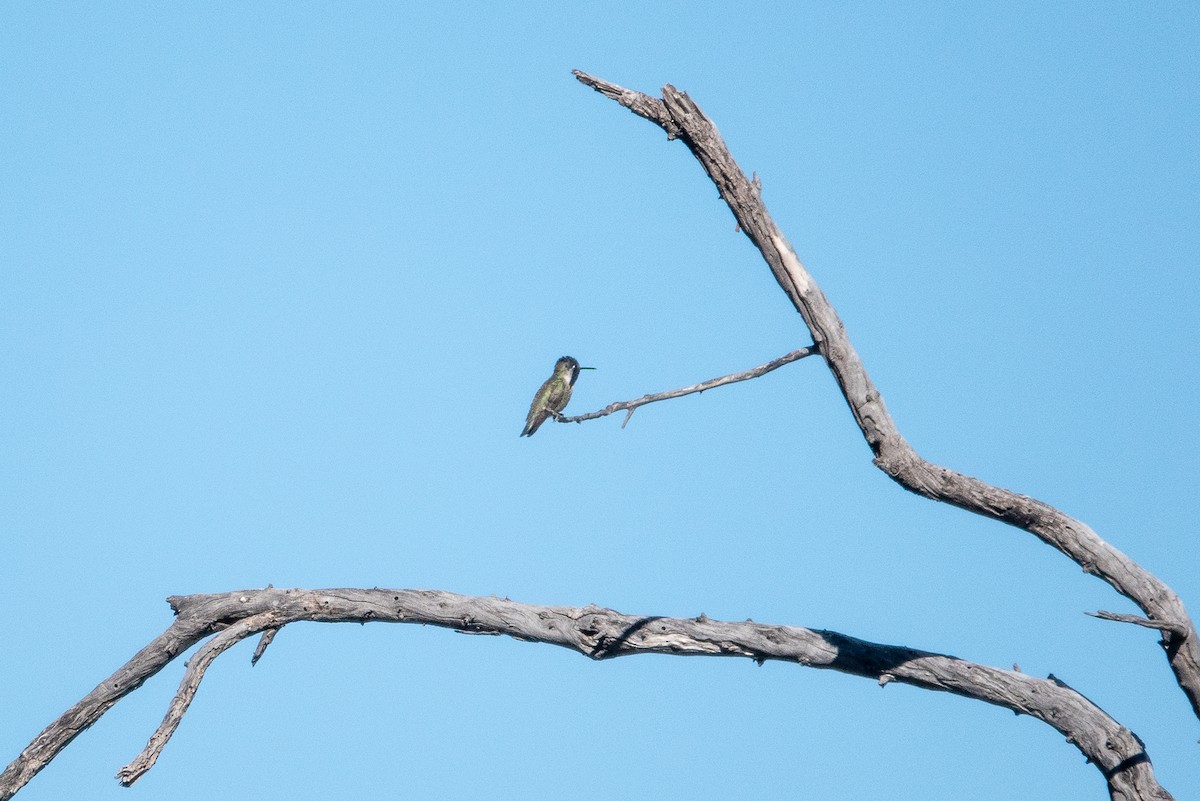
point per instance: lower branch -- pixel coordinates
(594, 632)
(183, 634)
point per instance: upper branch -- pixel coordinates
(682, 119)
(599, 634)
(745, 375)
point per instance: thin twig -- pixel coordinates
(264, 641)
(1137, 620)
(745, 375)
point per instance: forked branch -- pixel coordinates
(682, 119)
(596, 633)
(192, 675)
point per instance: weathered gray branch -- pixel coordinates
(599, 634)
(682, 119)
(745, 375)
(182, 634)
(192, 675)
(1138, 620)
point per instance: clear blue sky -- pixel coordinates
(277, 282)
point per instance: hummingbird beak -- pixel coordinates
(587, 368)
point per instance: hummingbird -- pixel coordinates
(553, 396)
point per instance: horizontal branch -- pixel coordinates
(683, 119)
(596, 633)
(745, 375)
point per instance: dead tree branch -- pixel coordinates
(196, 666)
(745, 375)
(1137, 620)
(682, 119)
(596, 633)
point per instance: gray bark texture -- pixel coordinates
(597, 633)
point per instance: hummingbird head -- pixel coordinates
(569, 368)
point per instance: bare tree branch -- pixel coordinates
(596, 633)
(682, 119)
(192, 676)
(183, 634)
(1137, 620)
(745, 375)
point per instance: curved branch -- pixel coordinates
(745, 375)
(182, 634)
(681, 118)
(599, 634)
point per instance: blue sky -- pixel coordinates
(279, 281)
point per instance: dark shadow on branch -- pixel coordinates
(607, 647)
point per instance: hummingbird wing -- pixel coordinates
(553, 395)
(537, 416)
